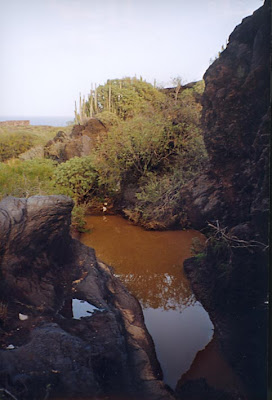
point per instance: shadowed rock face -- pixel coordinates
(236, 130)
(231, 282)
(80, 142)
(108, 353)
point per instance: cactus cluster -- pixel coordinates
(87, 108)
(115, 96)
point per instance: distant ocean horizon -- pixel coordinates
(45, 120)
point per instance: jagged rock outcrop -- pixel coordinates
(230, 276)
(236, 130)
(45, 351)
(78, 143)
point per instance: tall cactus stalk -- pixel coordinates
(76, 114)
(95, 99)
(109, 96)
(80, 107)
(83, 108)
(91, 103)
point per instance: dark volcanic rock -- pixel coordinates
(230, 276)
(236, 129)
(78, 143)
(108, 353)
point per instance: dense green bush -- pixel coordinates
(108, 118)
(159, 197)
(127, 97)
(77, 178)
(132, 149)
(78, 218)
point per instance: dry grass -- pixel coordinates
(41, 134)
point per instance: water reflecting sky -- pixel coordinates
(150, 264)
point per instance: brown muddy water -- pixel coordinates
(150, 264)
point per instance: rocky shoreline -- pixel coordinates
(44, 351)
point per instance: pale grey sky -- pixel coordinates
(53, 49)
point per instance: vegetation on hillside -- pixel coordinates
(153, 145)
(123, 97)
(15, 140)
(27, 178)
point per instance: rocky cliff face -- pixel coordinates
(230, 276)
(236, 130)
(78, 143)
(47, 351)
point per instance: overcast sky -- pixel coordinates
(53, 49)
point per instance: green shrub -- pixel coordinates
(132, 149)
(159, 197)
(108, 118)
(77, 178)
(78, 221)
(200, 257)
(127, 97)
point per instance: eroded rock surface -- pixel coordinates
(45, 352)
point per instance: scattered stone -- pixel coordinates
(23, 317)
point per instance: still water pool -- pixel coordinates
(150, 264)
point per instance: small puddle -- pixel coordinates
(81, 309)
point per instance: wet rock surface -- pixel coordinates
(45, 353)
(80, 142)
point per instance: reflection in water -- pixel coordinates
(150, 264)
(163, 291)
(82, 309)
(209, 363)
(178, 337)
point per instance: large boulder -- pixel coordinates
(80, 142)
(47, 350)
